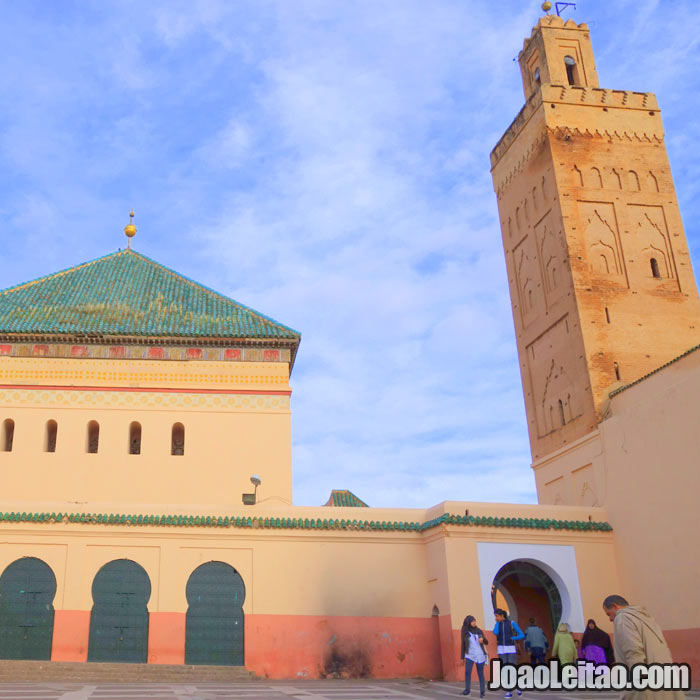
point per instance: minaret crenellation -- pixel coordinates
(601, 282)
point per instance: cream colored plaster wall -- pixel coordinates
(651, 445)
(236, 418)
(573, 474)
(302, 572)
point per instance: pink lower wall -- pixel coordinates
(166, 638)
(301, 646)
(71, 632)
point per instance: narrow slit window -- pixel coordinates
(8, 434)
(655, 268)
(93, 437)
(562, 418)
(537, 76)
(178, 440)
(607, 314)
(570, 64)
(135, 438)
(617, 370)
(51, 435)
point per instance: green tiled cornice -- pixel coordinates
(128, 294)
(269, 523)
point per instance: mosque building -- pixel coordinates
(146, 510)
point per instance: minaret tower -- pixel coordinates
(600, 276)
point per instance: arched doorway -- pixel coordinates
(119, 617)
(27, 590)
(525, 590)
(214, 628)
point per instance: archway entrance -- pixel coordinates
(27, 590)
(214, 628)
(119, 617)
(525, 590)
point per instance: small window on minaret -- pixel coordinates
(135, 438)
(178, 440)
(570, 64)
(537, 76)
(562, 418)
(617, 370)
(655, 267)
(93, 437)
(51, 434)
(8, 434)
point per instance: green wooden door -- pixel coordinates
(27, 589)
(119, 617)
(214, 633)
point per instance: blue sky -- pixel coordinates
(327, 163)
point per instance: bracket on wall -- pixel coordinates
(559, 6)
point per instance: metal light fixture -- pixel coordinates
(249, 499)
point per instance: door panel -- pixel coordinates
(215, 621)
(119, 617)
(27, 590)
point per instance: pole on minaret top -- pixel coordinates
(130, 229)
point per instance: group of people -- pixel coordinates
(635, 631)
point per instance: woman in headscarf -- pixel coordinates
(473, 653)
(564, 647)
(596, 645)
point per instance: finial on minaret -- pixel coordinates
(130, 229)
(547, 6)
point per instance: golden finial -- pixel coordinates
(130, 229)
(547, 6)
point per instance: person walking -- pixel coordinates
(536, 643)
(507, 633)
(473, 654)
(638, 639)
(564, 647)
(596, 645)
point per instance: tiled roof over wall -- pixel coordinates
(128, 294)
(345, 498)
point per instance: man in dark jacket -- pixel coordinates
(536, 643)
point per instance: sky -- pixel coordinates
(325, 162)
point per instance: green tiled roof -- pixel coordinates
(345, 498)
(272, 523)
(128, 294)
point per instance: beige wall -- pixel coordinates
(236, 420)
(641, 464)
(651, 444)
(303, 572)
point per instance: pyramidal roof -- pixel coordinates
(127, 294)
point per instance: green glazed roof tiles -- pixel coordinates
(345, 498)
(128, 294)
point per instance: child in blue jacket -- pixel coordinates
(507, 633)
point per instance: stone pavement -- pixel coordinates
(271, 690)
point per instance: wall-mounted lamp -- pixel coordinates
(249, 499)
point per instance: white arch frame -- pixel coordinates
(558, 561)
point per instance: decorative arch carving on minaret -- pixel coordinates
(653, 182)
(603, 245)
(653, 240)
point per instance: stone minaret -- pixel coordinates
(600, 276)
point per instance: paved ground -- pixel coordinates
(270, 690)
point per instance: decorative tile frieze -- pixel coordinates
(146, 352)
(245, 403)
